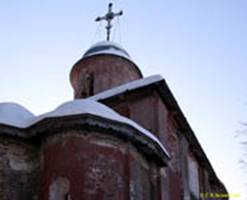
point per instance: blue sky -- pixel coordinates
(198, 46)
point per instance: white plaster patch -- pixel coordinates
(17, 161)
(59, 189)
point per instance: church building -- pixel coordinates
(123, 137)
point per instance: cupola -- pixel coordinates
(103, 66)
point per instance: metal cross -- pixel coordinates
(109, 17)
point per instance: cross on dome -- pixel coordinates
(109, 17)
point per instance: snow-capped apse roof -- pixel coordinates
(13, 114)
(107, 47)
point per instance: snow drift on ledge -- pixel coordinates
(127, 87)
(17, 116)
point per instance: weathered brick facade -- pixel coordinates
(148, 107)
(79, 157)
(88, 157)
(155, 108)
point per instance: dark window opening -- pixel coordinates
(91, 84)
(87, 85)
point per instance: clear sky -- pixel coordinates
(198, 46)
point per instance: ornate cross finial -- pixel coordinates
(109, 17)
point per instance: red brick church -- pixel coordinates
(123, 137)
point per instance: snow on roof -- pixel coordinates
(106, 43)
(14, 114)
(17, 116)
(107, 47)
(127, 87)
(81, 106)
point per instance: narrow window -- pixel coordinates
(91, 84)
(193, 176)
(67, 197)
(87, 85)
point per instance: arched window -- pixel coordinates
(87, 84)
